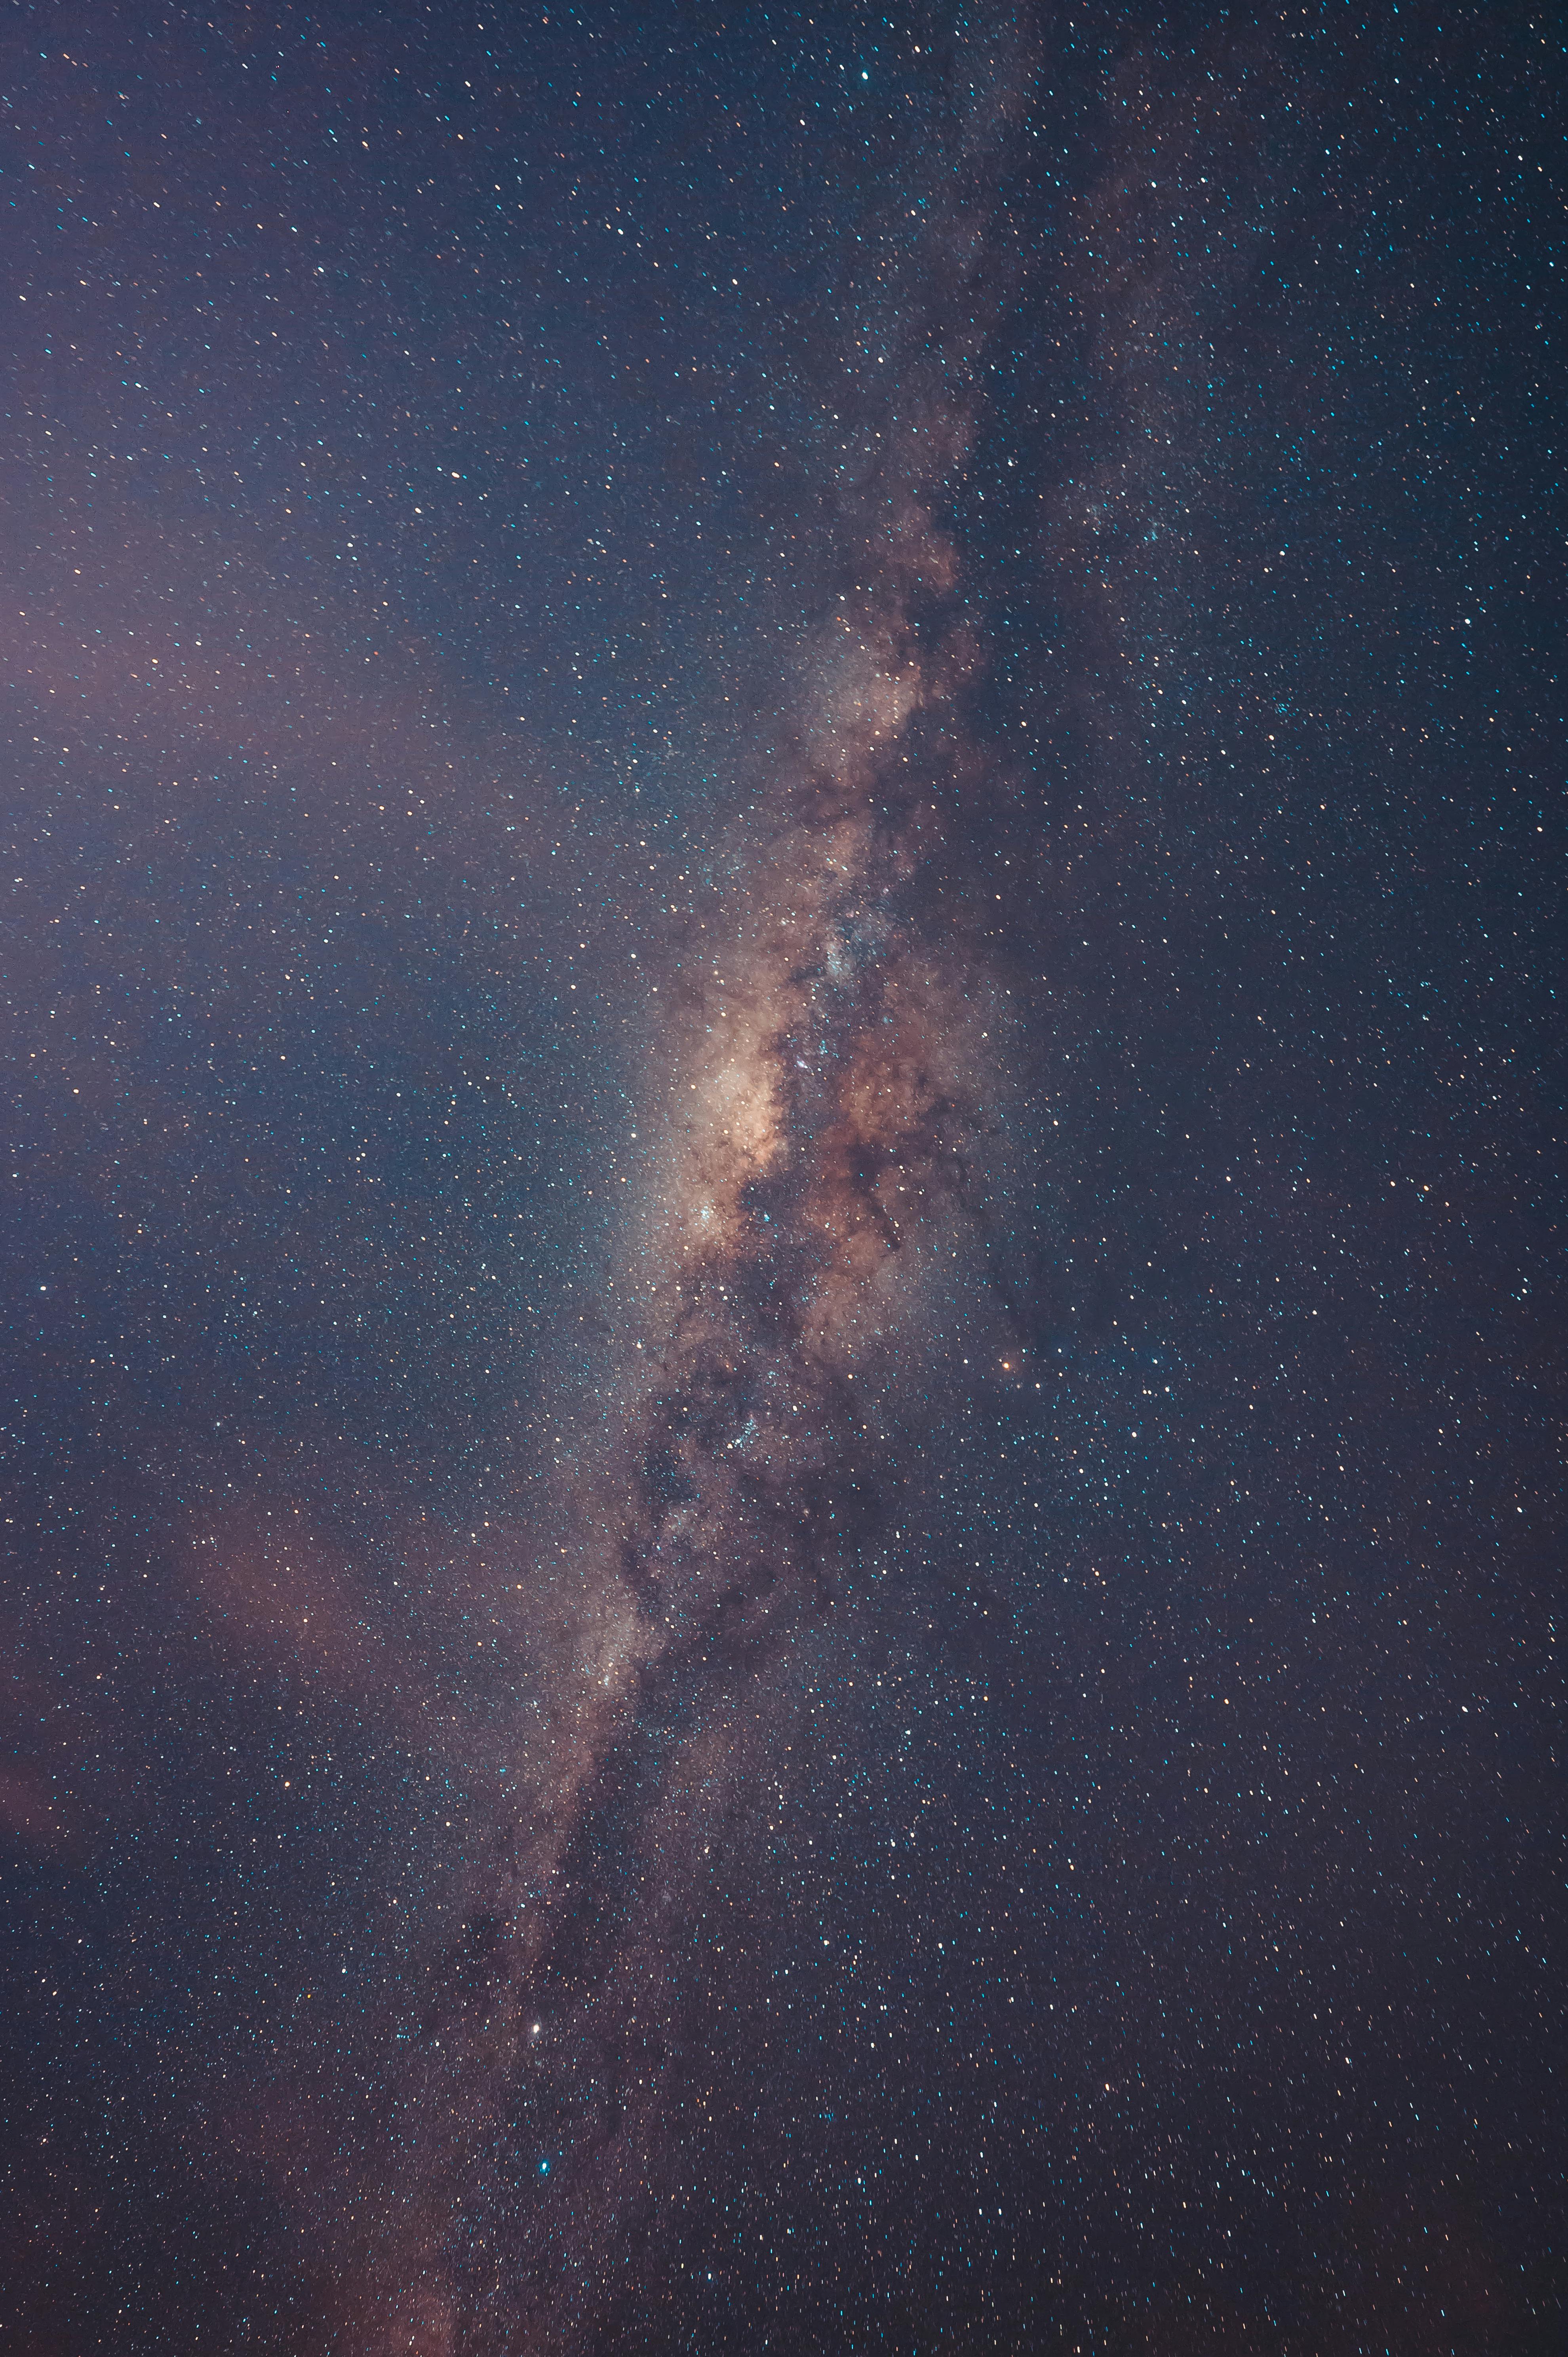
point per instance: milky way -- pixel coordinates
(782, 1466)
(826, 1095)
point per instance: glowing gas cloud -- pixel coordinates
(821, 1074)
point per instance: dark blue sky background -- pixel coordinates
(438, 443)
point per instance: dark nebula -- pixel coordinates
(783, 1259)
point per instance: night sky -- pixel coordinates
(782, 1286)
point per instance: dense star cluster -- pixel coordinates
(782, 1267)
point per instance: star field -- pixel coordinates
(782, 1270)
